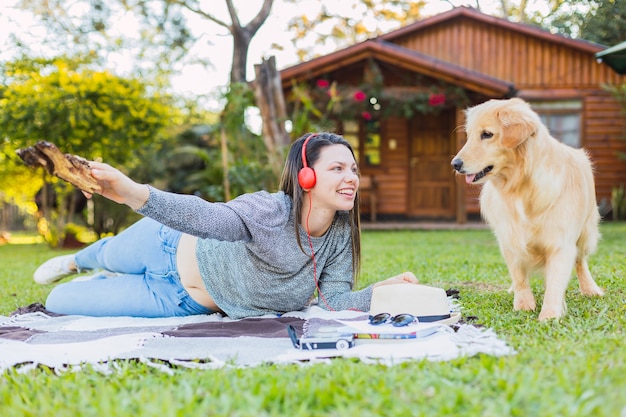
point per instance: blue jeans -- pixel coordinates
(147, 285)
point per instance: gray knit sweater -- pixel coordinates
(249, 257)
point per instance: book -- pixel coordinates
(363, 330)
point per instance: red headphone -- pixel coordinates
(306, 176)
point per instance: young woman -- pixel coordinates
(261, 253)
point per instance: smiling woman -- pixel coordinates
(241, 258)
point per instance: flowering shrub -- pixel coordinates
(437, 99)
(321, 83)
(320, 104)
(359, 96)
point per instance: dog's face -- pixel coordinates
(494, 130)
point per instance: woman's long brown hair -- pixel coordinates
(289, 185)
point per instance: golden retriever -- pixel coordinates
(538, 197)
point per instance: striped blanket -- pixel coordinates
(39, 338)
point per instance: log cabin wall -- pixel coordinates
(604, 138)
(527, 61)
(542, 67)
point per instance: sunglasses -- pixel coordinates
(397, 321)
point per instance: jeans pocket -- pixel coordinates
(191, 306)
(169, 239)
(174, 298)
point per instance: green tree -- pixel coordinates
(246, 160)
(601, 21)
(605, 23)
(94, 114)
(241, 34)
(163, 39)
(348, 22)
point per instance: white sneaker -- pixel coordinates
(54, 269)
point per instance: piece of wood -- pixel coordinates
(271, 104)
(71, 168)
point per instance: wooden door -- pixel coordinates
(431, 190)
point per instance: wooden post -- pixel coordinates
(271, 102)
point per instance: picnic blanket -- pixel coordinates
(39, 338)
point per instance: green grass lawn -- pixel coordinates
(572, 367)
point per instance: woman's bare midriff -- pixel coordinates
(190, 272)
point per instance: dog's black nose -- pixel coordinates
(457, 164)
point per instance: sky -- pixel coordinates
(275, 31)
(197, 79)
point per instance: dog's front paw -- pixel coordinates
(547, 314)
(524, 301)
(552, 310)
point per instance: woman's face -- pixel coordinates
(336, 179)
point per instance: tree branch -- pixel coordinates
(198, 11)
(260, 18)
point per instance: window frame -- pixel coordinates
(550, 109)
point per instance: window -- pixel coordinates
(351, 134)
(371, 145)
(370, 153)
(563, 119)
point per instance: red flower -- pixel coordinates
(366, 115)
(359, 95)
(437, 99)
(322, 83)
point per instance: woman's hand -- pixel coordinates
(403, 278)
(118, 187)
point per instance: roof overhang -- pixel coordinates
(614, 57)
(402, 58)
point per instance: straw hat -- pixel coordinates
(428, 304)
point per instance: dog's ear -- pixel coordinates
(517, 124)
(515, 134)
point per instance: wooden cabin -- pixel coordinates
(404, 94)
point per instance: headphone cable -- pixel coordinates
(308, 234)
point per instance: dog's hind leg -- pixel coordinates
(587, 243)
(585, 281)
